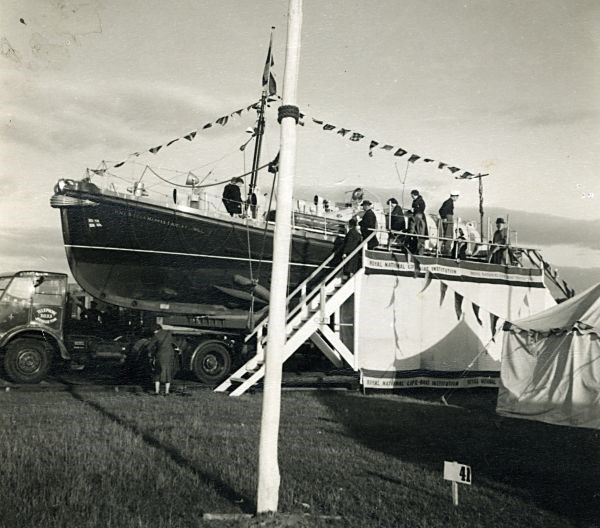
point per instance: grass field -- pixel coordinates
(104, 459)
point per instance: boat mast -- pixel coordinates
(268, 468)
(260, 130)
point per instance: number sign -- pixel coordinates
(457, 472)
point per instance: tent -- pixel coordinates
(550, 369)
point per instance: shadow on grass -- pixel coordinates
(225, 490)
(557, 468)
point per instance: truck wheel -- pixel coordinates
(212, 362)
(27, 360)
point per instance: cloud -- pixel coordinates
(118, 114)
(529, 116)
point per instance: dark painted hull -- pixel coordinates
(143, 255)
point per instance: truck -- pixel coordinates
(42, 325)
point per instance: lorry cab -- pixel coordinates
(32, 298)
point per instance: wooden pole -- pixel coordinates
(268, 468)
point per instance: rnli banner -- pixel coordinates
(408, 321)
(371, 379)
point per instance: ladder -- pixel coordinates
(308, 317)
(550, 273)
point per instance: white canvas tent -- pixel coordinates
(550, 369)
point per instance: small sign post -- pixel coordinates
(457, 473)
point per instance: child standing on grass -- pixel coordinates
(163, 358)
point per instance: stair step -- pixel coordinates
(238, 380)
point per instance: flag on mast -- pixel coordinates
(268, 80)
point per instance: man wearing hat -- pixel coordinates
(419, 225)
(499, 253)
(232, 196)
(368, 224)
(447, 218)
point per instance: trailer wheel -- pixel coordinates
(27, 360)
(211, 362)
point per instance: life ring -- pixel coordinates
(357, 194)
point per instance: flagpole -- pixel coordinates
(260, 129)
(268, 469)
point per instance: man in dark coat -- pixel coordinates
(163, 357)
(500, 254)
(232, 196)
(351, 242)
(338, 246)
(419, 224)
(397, 222)
(447, 218)
(368, 224)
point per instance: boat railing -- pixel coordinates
(483, 247)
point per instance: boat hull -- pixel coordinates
(141, 255)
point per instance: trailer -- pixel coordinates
(43, 325)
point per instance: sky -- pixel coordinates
(509, 88)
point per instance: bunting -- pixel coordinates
(190, 135)
(476, 312)
(388, 147)
(458, 299)
(372, 145)
(493, 322)
(443, 290)
(268, 80)
(428, 280)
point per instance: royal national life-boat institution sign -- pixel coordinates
(379, 263)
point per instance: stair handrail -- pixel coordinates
(309, 297)
(550, 272)
(303, 284)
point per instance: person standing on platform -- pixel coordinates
(419, 224)
(368, 224)
(338, 246)
(500, 253)
(351, 242)
(447, 218)
(163, 357)
(232, 196)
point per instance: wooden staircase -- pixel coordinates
(310, 308)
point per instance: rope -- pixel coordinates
(208, 184)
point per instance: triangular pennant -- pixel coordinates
(458, 299)
(171, 142)
(428, 160)
(238, 112)
(453, 169)
(328, 127)
(223, 120)
(413, 158)
(343, 131)
(190, 136)
(441, 165)
(208, 125)
(428, 280)
(465, 175)
(493, 322)
(443, 290)
(476, 312)
(154, 150)
(400, 152)
(120, 164)
(317, 121)
(372, 145)
(526, 301)
(387, 147)
(98, 171)
(249, 107)
(356, 136)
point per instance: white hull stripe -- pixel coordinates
(200, 255)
